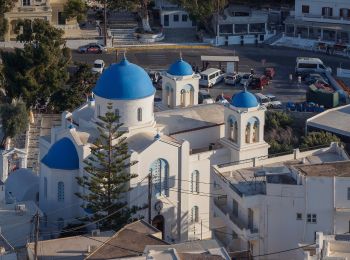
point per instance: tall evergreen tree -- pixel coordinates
(78, 87)
(40, 69)
(14, 117)
(107, 179)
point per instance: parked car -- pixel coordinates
(270, 72)
(259, 82)
(232, 79)
(92, 48)
(262, 99)
(204, 97)
(314, 77)
(98, 66)
(246, 79)
(273, 102)
(210, 77)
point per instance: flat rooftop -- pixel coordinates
(75, 247)
(252, 180)
(336, 120)
(188, 119)
(330, 169)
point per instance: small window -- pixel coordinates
(26, 2)
(98, 110)
(348, 193)
(195, 214)
(299, 216)
(139, 114)
(195, 182)
(176, 17)
(305, 9)
(184, 17)
(45, 187)
(311, 218)
(60, 191)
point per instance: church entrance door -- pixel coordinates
(158, 223)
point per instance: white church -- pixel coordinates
(177, 147)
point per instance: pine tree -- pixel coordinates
(108, 175)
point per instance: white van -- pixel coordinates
(210, 77)
(306, 65)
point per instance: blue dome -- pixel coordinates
(125, 81)
(244, 99)
(180, 68)
(62, 155)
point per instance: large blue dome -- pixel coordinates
(180, 68)
(244, 99)
(62, 155)
(125, 81)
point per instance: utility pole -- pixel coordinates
(105, 22)
(201, 229)
(217, 23)
(36, 234)
(150, 197)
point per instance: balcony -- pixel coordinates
(325, 19)
(34, 8)
(237, 224)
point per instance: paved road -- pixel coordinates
(282, 59)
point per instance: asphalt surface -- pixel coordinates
(282, 59)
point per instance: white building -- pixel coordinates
(176, 146)
(330, 247)
(320, 20)
(273, 204)
(173, 16)
(241, 25)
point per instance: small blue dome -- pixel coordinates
(124, 81)
(244, 99)
(180, 68)
(62, 155)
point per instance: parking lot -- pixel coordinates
(282, 59)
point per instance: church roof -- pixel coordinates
(180, 68)
(191, 118)
(124, 81)
(22, 185)
(244, 99)
(62, 155)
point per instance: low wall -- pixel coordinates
(343, 73)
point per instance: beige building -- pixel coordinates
(49, 10)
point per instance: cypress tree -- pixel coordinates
(107, 180)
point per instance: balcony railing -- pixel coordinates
(221, 205)
(34, 8)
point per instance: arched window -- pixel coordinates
(168, 95)
(195, 181)
(256, 132)
(232, 133)
(194, 214)
(183, 97)
(139, 114)
(254, 123)
(45, 187)
(60, 191)
(247, 133)
(159, 171)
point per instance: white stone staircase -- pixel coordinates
(42, 126)
(122, 27)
